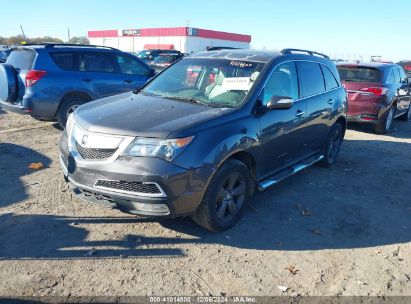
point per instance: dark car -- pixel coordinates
(164, 60)
(406, 65)
(149, 56)
(49, 81)
(4, 53)
(197, 148)
(377, 93)
(219, 48)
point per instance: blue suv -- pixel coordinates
(49, 81)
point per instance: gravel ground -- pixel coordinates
(339, 231)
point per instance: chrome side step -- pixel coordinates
(278, 177)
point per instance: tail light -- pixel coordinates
(375, 90)
(33, 76)
(408, 68)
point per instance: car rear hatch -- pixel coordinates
(364, 89)
(16, 74)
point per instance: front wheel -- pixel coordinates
(332, 146)
(225, 197)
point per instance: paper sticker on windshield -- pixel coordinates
(236, 83)
(241, 64)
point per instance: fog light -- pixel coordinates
(155, 209)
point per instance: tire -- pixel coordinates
(67, 106)
(225, 197)
(332, 146)
(407, 115)
(385, 125)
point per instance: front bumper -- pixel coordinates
(182, 189)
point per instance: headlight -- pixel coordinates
(70, 124)
(167, 149)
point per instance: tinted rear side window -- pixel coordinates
(330, 81)
(359, 74)
(98, 62)
(312, 79)
(22, 59)
(64, 60)
(397, 76)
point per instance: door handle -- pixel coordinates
(86, 79)
(330, 101)
(299, 113)
(128, 81)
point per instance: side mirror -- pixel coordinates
(152, 73)
(280, 103)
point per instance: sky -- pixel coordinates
(347, 29)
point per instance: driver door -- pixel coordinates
(281, 135)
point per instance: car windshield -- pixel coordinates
(210, 82)
(359, 74)
(143, 54)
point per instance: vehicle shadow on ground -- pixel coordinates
(14, 162)
(399, 129)
(59, 237)
(350, 205)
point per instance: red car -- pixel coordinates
(377, 93)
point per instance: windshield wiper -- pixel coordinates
(190, 99)
(144, 93)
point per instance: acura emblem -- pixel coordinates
(84, 140)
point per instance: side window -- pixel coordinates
(396, 75)
(391, 78)
(130, 65)
(97, 62)
(283, 81)
(330, 82)
(312, 79)
(64, 60)
(403, 76)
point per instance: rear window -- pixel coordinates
(359, 74)
(64, 60)
(97, 62)
(311, 78)
(21, 59)
(330, 81)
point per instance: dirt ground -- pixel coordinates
(340, 231)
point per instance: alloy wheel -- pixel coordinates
(390, 117)
(231, 196)
(334, 144)
(72, 109)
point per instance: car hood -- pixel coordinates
(139, 115)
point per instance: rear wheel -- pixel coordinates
(332, 146)
(407, 115)
(385, 125)
(68, 106)
(225, 197)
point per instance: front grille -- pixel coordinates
(138, 187)
(90, 153)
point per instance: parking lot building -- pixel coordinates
(184, 39)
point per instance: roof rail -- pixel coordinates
(51, 45)
(291, 51)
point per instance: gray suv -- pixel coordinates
(202, 135)
(49, 81)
